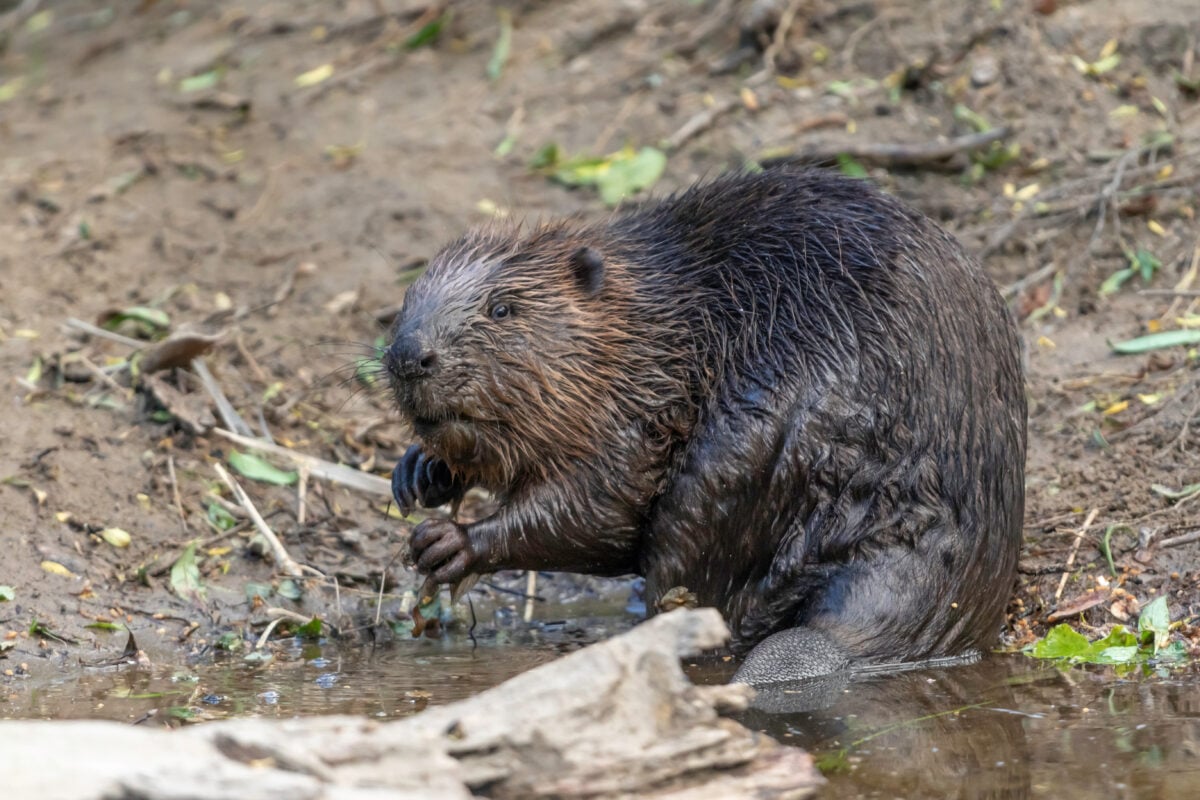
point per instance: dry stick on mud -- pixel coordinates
(888, 154)
(317, 467)
(286, 563)
(1087, 523)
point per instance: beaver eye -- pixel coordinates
(500, 311)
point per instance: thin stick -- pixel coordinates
(229, 415)
(530, 591)
(317, 467)
(1037, 276)
(1087, 523)
(97, 331)
(286, 564)
(301, 494)
(1169, 292)
(1176, 541)
(175, 494)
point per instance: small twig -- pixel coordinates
(1037, 276)
(699, 123)
(1169, 292)
(286, 564)
(530, 593)
(100, 375)
(1087, 523)
(95, 330)
(175, 494)
(229, 415)
(1186, 538)
(266, 634)
(301, 494)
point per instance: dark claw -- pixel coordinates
(422, 479)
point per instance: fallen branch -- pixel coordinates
(895, 155)
(617, 719)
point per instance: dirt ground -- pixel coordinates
(275, 171)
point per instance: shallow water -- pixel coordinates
(1005, 727)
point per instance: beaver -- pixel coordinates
(783, 390)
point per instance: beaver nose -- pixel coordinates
(409, 359)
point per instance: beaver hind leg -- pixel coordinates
(792, 655)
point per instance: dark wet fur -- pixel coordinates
(784, 391)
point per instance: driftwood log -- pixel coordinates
(617, 719)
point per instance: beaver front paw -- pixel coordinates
(419, 478)
(441, 549)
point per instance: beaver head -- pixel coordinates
(507, 356)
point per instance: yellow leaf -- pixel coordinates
(1156, 228)
(315, 76)
(1046, 342)
(217, 552)
(55, 568)
(1165, 172)
(1149, 399)
(1109, 48)
(1153, 326)
(62, 516)
(749, 99)
(1116, 408)
(116, 537)
(1027, 192)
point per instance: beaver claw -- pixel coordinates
(442, 550)
(423, 479)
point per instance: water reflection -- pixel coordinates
(1004, 728)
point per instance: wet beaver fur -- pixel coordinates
(784, 391)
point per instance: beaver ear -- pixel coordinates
(588, 268)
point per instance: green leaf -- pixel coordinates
(1115, 281)
(1062, 641)
(1175, 651)
(1156, 618)
(197, 83)
(626, 176)
(850, 167)
(230, 642)
(262, 590)
(546, 157)
(1175, 494)
(1156, 341)
(310, 629)
(289, 589)
(7, 593)
(1116, 655)
(105, 626)
(503, 44)
(219, 517)
(972, 118)
(1146, 263)
(428, 34)
(152, 318)
(185, 576)
(256, 469)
